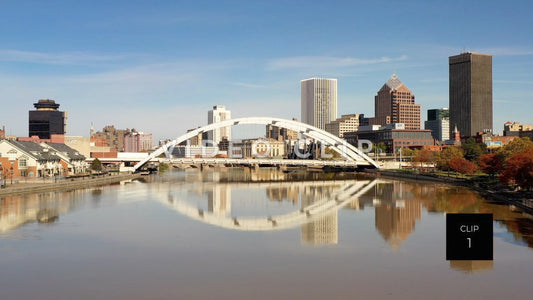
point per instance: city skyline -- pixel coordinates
(117, 63)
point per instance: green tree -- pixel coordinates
(442, 159)
(407, 152)
(381, 146)
(515, 146)
(96, 165)
(334, 154)
(473, 150)
(163, 167)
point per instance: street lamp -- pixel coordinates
(1, 175)
(400, 151)
(11, 169)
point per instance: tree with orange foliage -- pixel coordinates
(424, 156)
(515, 146)
(443, 157)
(462, 165)
(491, 163)
(519, 169)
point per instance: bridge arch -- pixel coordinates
(337, 144)
(347, 193)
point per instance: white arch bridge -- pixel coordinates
(354, 156)
(348, 192)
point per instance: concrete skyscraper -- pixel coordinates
(319, 101)
(395, 103)
(218, 114)
(471, 93)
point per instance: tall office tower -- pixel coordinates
(439, 123)
(471, 93)
(319, 101)
(218, 114)
(47, 119)
(395, 103)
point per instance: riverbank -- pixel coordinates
(491, 192)
(66, 184)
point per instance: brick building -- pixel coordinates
(114, 137)
(138, 141)
(395, 103)
(394, 136)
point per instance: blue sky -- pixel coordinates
(158, 66)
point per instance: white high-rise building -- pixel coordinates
(319, 101)
(218, 114)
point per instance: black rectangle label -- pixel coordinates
(469, 237)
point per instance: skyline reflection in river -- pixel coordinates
(187, 228)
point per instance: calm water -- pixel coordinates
(245, 235)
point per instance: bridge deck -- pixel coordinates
(274, 162)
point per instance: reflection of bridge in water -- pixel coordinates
(347, 193)
(397, 205)
(396, 208)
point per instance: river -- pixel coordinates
(241, 234)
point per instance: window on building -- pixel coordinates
(23, 162)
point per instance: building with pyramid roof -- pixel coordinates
(395, 103)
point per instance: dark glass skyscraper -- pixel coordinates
(471, 93)
(439, 123)
(47, 119)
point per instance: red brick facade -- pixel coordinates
(395, 103)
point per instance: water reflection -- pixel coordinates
(472, 266)
(324, 230)
(25, 209)
(267, 200)
(398, 205)
(396, 214)
(319, 202)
